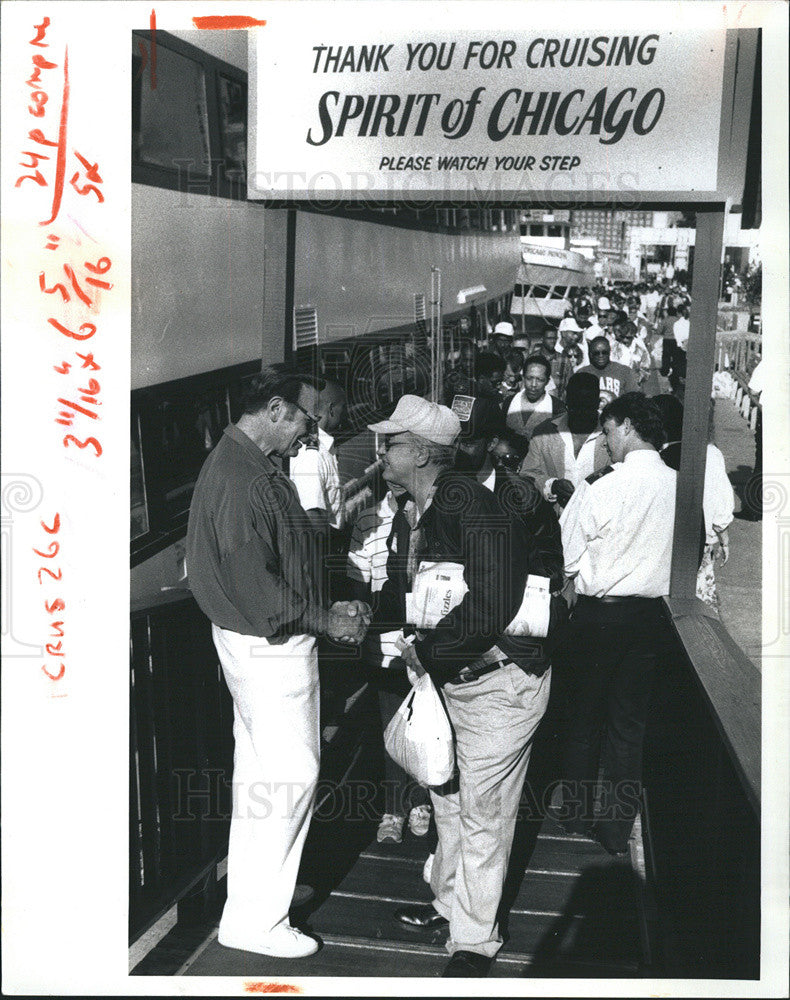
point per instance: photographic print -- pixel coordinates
(424, 349)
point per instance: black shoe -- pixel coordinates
(467, 965)
(570, 827)
(420, 917)
(616, 850)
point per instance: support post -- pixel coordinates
(696, 404)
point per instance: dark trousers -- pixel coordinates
(613, 650)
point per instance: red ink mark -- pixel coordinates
(38, 136)
(152, 23)
(63, 368)
(264, 987)
(83, 444)
(54, 648)
(92, 170)
(44, 569)
(53, 242)
(69, 333)
(42, 284)
(78, 408)
(75, 284)
(57, 628)
(55, 524)
(60, 169)
(40, 31)
(88, 362)
(57, 605)
(226, 22)
(58, 675)
(38, 177)
(54, 548)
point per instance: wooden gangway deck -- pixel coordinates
(569, 909)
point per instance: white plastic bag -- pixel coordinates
(420, 737)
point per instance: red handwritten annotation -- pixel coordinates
(55, 669)
(226, 22)
(84, 281)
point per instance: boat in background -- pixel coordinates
(549, 276)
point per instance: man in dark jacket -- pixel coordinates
(495, 693)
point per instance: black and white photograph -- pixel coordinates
(425, 347)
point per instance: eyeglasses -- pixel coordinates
(312, 419)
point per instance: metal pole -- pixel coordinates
(696, 403)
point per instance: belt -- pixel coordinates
(611, 599)
(467, 674)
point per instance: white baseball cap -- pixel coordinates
(431, 421)
(569, 323)
(604, 303)
(504, 327)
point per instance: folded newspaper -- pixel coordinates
(439, 587)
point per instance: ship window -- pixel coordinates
(174, 426)
(554, 231)
(559, 291)
(520, 290)
(541, 291)
(523, 228)
(536, 229)
(189, 122)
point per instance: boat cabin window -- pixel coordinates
(541, 291)
(554, 231)
(558, 291)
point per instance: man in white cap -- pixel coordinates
(502, 337)
(494, 703)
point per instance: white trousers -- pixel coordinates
(275, 773)
(494, 718)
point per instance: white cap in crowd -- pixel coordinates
(505, 327)
(431, 421)
(604, 304)
(569, 323)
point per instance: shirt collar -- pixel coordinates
(325, 439)
(643, 456)
(251, 449)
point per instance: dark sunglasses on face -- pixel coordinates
(509, 461)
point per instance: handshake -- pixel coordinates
(348, 621)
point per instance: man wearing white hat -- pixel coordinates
(502, 338)
(570, 333)
(494, 702)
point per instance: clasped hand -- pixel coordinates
(348, 621)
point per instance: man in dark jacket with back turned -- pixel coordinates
(495, 695)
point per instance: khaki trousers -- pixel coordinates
(495, 719)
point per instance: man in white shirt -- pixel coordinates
(533, 404)
(617, 538)
(314, 470)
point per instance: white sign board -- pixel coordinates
(365, 101)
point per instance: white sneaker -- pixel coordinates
(420, 820)
(283, 941)
(390, 828)
(427, 868)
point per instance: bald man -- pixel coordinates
(314, 470)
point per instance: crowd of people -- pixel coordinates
(550, 466)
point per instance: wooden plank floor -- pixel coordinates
(575, 911)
